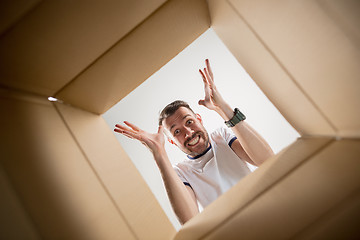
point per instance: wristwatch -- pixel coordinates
(238, 117)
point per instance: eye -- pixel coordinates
(176, 132)
(190, 121)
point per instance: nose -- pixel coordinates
(188, 132)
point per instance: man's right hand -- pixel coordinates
(182, 197)
(154, 141)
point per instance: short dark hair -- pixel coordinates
(171, 108)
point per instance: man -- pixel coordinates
(216, 161)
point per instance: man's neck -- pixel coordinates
(201, 154)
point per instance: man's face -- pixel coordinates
(188, 132)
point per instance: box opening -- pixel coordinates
(180, 79)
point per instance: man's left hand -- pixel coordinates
(213, 100)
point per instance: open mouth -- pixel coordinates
(194, 141)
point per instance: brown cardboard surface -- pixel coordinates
(57, 40)
(142, 52)
(15, 223)
(118, 174)
(320, 51)
(302, 198)
(341, 222)
(251, 187)
(13, 11)
(51, 176)
(304, 195)
(61, 169)
(267, 71)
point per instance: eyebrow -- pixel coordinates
(172, 126)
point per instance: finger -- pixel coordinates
(132, 126)
(210, 81)
(123, 132)
(209, 69)
(128, 135)
(121, 127)
(118, 130)
(206, 85)
(203, 77)
(131, 134)
(201, 102)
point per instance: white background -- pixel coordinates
(180, 79)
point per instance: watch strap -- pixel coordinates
(238, 117)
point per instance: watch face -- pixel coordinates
(229, 124)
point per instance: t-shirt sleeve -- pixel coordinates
(180, 174)
(228, 135)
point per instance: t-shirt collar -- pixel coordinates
(200, 155)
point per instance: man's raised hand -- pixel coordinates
(212, 98)
(154, 141)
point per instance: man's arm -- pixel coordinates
(249, 145)
(182, 197)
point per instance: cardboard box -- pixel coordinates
(63, 174)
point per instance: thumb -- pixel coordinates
(201, 102)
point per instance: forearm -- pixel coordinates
(252, 142)
(182, 202)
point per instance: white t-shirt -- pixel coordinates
(216, 170)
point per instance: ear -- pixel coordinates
(198, 117)
(171, 141)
